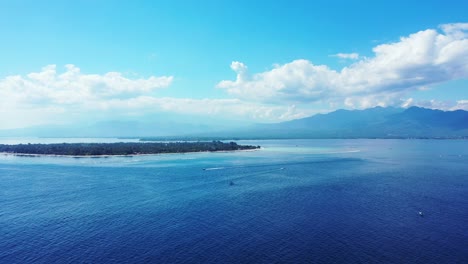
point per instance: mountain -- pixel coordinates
(375, 122)
(378, 122)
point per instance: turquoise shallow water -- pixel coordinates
(341, 201)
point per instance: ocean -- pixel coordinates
(293, 201)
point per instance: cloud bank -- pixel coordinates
(48, 96)
(72, 86)
(437, 104)
(228, 108)
(296, 89)
(414, 62)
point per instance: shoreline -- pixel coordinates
(123, 156)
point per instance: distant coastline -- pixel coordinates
(96, 150)
(286, 137)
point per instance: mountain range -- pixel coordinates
(375, 122)
(378, 122)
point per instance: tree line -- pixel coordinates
(95, 149)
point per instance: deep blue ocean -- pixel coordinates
(293, 201)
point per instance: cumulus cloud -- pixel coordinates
(414, 62)
(351, 56)
(293, 81)
(372, 100)
(447, 105)
(51, 97)
(72, 86)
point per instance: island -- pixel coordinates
(121, 148)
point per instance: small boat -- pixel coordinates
(421, 213)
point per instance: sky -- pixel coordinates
(240, 61)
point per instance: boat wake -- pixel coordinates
(215, 168)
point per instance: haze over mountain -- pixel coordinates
(378, 122)
(121, 128)
(375, 122)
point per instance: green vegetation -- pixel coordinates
(96, 149)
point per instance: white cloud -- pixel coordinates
(51, 97)
(228, 108)
(447, 105)
(414, 62)
(72, 86)
(372, 100)
(461, 104)
(293, 81)
(351, 56)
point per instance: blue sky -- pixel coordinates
(255, 61)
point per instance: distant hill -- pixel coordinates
(375, 122)
(114, 128)
(378, 122)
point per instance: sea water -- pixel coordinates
(293, 201)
